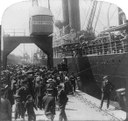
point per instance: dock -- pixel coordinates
(83, 107)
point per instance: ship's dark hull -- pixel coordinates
(92, 68)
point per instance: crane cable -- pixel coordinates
(92, 14)
(58, 16)
(98, 14)
(113, 13)
(87, 15)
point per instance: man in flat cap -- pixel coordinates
(49, 104)
(62, 101)
(106, 90)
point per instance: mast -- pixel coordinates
(49, 4)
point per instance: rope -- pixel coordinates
(59, 13)
(113, 13)
(98, 14)
(87, 15)
(101, 23)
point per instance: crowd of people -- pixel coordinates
(31, 87)
(104, 43)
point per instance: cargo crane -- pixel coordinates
(40, 20)
(40, 27)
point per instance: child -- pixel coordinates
(29, 105)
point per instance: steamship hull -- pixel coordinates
(92, 68)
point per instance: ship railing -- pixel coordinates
(14, 32)
(99, 50)
(110, 41)
(104, 47)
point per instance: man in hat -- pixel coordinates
(23, 92)
(5, 108)
(9, 94)
(52, 84)
(29, 105)
(67, 85)
(73, 82)
(62, 101)
(106, 90)
(49, 104)
(38, 93)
